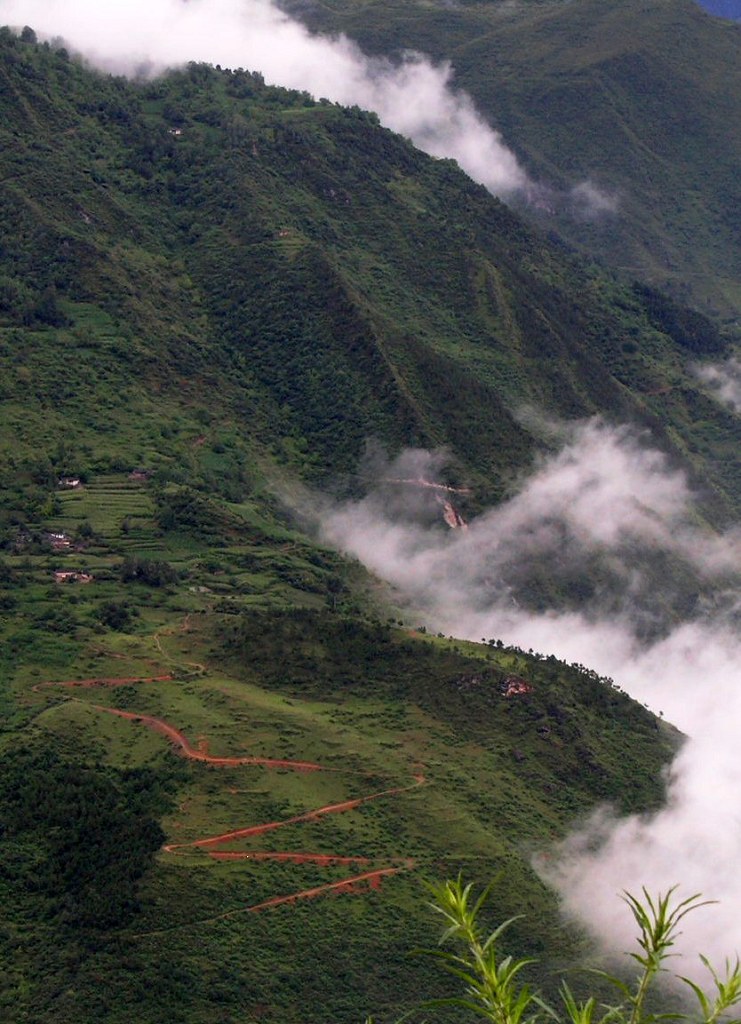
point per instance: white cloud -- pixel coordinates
(606, 493)
(695, 840)
(415, 98)
(590, 201)
(724, 380)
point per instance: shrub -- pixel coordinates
(152, 572)
(116, 615)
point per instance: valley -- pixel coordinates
(233, 748)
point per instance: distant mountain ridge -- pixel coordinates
(641, 99)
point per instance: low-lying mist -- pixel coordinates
(600, 557)
(724, 380)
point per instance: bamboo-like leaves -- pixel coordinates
(727, 993)
(492, 989)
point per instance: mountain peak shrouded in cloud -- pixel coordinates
(413, 97)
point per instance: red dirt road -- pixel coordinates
(299, 858)
(181, 742)
(323, 859)
(353, 884)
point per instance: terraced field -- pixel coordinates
(119, 510)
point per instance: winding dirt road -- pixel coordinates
(368, 879)
(186, 748)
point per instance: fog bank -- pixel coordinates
(607, 500)
(724, 380)
(415, 97)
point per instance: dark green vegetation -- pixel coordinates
(290, 272)
(50, 810)
(209, 288)
(641, 99)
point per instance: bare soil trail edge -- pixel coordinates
(209, 844)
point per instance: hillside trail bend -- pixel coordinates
(212, 845)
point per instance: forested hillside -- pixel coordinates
(206, 226)
(638, 100)
(228, 761)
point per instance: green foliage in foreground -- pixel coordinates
(491, 983)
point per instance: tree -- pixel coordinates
(116, 615)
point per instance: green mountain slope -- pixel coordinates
(208, 288)
(442, 770)
(640, 99)
(271, 226)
